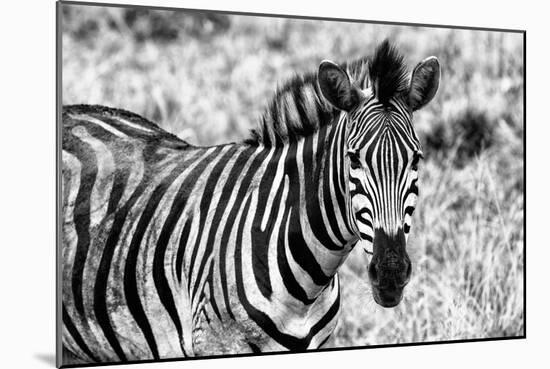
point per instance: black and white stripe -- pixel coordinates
(174, 250)
(385, 152)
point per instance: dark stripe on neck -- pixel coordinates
(299, 248)
(262, 319)
(333, 160)
(290, 282)
(261, 239)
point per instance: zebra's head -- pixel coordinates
(383, 155)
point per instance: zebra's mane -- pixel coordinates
(298, 108)
(388, 72)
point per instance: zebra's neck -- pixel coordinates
(319, 229)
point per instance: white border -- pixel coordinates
(27, 188)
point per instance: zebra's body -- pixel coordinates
(178, 195)
(174, 250)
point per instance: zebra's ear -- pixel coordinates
(424, 82)
(336, 86)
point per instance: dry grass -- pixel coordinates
(207, 79)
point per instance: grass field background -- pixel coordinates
(207, 78)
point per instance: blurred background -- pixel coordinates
(207, 77)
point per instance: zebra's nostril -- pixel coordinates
(390, 273)
(373, 274)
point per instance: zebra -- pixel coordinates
(175, 250)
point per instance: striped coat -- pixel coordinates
(173, 250)
(134, 194)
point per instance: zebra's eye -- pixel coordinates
(354, 159)
(416, 159)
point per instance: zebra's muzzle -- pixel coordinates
(390, 268)
(388, 298)
(388, 285)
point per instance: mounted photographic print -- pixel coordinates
(239, 184)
